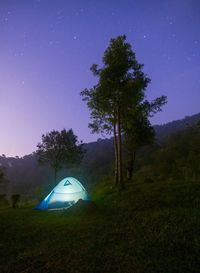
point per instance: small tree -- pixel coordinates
(15, 199)
(59, 149)
(3, 179)
(2, 176)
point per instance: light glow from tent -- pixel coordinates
(64, 195)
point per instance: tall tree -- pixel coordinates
(59, 149)
(120, 88)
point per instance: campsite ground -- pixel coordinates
(151, 227)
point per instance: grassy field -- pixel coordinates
(150, 227)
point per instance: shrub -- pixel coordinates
(3, 200)
(15, 198)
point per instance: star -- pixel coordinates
(75, 37)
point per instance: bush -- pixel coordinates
(148, 180)
(3, 200)
(15, 198)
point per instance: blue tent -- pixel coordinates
(67, 192)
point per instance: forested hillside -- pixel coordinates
(174, 154)
(165, 130)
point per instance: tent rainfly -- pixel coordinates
(65, 194)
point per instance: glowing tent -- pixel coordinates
(67, 192)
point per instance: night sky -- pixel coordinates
(47, 48)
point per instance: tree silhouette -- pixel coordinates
(120, 90)
(2, 176)
(59, 149)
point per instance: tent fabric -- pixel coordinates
(66, 193)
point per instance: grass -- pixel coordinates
(148, 228)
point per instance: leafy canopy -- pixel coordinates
(59, 148)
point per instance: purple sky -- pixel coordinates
(47, 48)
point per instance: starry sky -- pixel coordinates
(48, 46)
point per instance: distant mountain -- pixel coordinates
(26, 176)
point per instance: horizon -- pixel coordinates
(48, 47)
(101, 137)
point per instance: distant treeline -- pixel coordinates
(175, 154)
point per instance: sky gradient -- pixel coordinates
(47, 48)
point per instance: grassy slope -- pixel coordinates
(149, 228)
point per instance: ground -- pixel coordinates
(150, 228)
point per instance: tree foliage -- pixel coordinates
(177, 158)
(118, 99)
(59, 149)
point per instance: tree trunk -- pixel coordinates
(116, 155)
(131, 164)
(134, 156)
(55, 176)
(120, 174)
